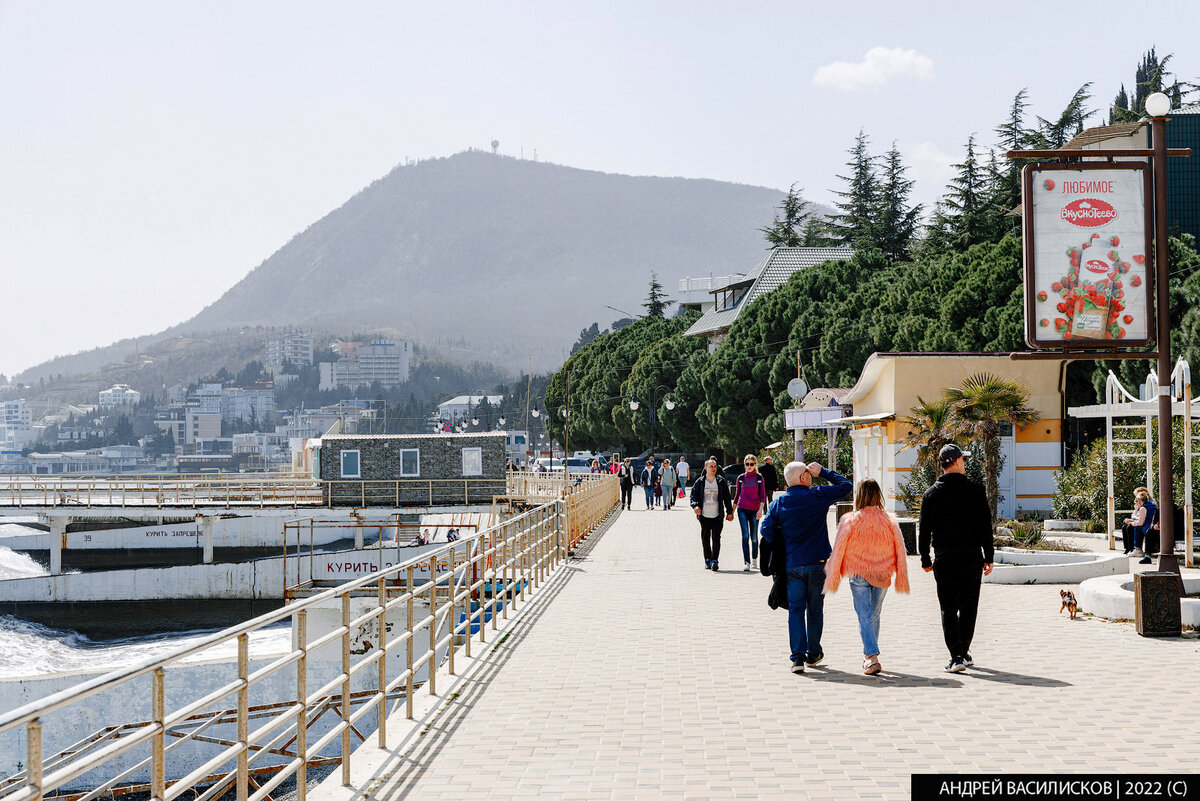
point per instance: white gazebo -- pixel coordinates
(1127, 421)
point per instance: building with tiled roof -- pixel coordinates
(768, 274)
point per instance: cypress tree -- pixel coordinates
(897, 221)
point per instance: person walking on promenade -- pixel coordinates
(869, 548)
(770, 476)
(957, 520)
(668, 478)
(798, 517)
(684, 471)
(625, 476)
(710, 499)
(649, 481)
(750, 498)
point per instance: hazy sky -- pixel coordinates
(151, 154)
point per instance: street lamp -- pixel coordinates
(654, 396)
(1157, 106)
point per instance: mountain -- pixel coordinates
(513, 256)
(484, 257)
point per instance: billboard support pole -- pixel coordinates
(1166, 489)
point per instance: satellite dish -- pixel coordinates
(797, 388)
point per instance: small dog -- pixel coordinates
(1068, 602)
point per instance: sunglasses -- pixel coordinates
(750, 464)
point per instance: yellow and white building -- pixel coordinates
(888, 388)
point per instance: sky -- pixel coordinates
(152, 154)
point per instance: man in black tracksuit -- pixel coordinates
(625, 475)
(956, 518)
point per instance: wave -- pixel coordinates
(31, 649)
(18, 565)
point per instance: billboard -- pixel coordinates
(1088, 264)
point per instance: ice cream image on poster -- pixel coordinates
(1086, 232)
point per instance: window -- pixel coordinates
(410, 462)
(472, 461)
(350, 465)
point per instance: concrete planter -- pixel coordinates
(1112, 597)
(1014, 566)
(1063, 525)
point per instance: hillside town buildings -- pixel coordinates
(385, 363)
(117, 396)
(294, 349)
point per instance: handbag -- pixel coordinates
(681, 492)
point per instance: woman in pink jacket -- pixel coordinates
(869, 549)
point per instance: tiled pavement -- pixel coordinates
(645, 676)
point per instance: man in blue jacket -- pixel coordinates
(798, 516)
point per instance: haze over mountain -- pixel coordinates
(509, 257)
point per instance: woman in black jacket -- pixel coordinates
(710, 497)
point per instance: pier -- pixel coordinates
(610, 664)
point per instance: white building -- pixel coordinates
(16, 425)
(385, 362)
(696, 293)
(294, 348)
(462, 406)
(117, 396)
(248, 404)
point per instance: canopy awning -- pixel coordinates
(862, 419)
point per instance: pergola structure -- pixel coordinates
(1120, 407)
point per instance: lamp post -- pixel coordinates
(654, 396)
(1157, 107)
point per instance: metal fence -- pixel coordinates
(385, 633)
(273, 490)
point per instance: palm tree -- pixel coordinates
(928, 428)
(978, 411)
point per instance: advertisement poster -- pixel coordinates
(1087, 256)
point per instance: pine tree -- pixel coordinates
(856, 224)
(786, 231)
(1012, 135)
(897, 221)
(1053, 135)
(656, 301)
(816, 233)
(960, 219)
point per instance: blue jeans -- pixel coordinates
(805, 600)
(649, 490)
(749, 524)
(868, 603)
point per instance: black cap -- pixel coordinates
(949, 454)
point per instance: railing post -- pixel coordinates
(33, 756)
(431, 663)
(158, 770)
(408, 690)
(302, 701)
(346, 690)
(243, 717)
(450, 621)
(382, 672)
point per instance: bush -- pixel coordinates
(1083, 486)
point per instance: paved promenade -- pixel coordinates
(641, 675)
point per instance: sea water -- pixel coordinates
(30, 649)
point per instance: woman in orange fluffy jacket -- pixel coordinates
(870, 550)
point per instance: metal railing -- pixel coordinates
(267, 490)
(382, 618)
